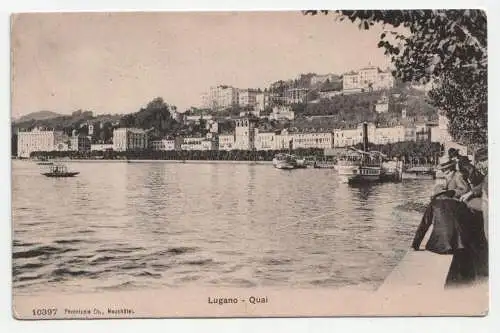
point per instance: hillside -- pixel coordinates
(39, 115)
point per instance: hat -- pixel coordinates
(446, 165)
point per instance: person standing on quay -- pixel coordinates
(457, 229)
(472, 176)
(454, 180)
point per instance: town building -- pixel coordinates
(423, 134)
(320, 79)
(381, 135)
(166, 144)
(282, 113)
(244, 134)
(296, 95)
(79, 142)
(352, 136)
(350, 82)
(287, 139)
(327, 94)
(247, 97)
(311, 139)
(226, 141)
(410, 131)
(209, 144)
(221, 97)
(368, 78)
(386, 135)
(211, 141)
(101, 147)
(195, 143)
(206, 101)
(277, 98)
(39, 140)
(283, 140)
(126, 139)
(91, 129)
(264, 140)
(262, 100)
(196, 118)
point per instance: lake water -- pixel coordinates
(122, 226)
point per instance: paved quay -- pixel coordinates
(416, 287)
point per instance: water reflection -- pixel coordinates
(364, 190)
(156, 224)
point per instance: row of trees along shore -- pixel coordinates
(445, 47)
(423, 152)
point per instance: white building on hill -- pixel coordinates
(282, 112)
(220, 97)
(368, 78)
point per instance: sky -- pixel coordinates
(118, 62)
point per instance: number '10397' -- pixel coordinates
(45, 312)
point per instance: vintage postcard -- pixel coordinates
(249, 164)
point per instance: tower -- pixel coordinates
(245, 134)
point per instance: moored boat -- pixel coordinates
(284, 161)
(361, 166)
(357, 166)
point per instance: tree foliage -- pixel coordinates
(446, 47)
(155, 116)
(410, 151)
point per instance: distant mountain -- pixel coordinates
(39, 115)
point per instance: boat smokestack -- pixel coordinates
(365, 136)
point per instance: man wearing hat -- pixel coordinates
(453, 154)
(454, 180)
(472, 176)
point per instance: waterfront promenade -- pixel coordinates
(417, 285)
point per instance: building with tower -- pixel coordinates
(244, 134)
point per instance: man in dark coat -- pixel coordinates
(456, 230)
(444, 214)
(472, 176)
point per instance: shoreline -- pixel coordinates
(151, 161)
